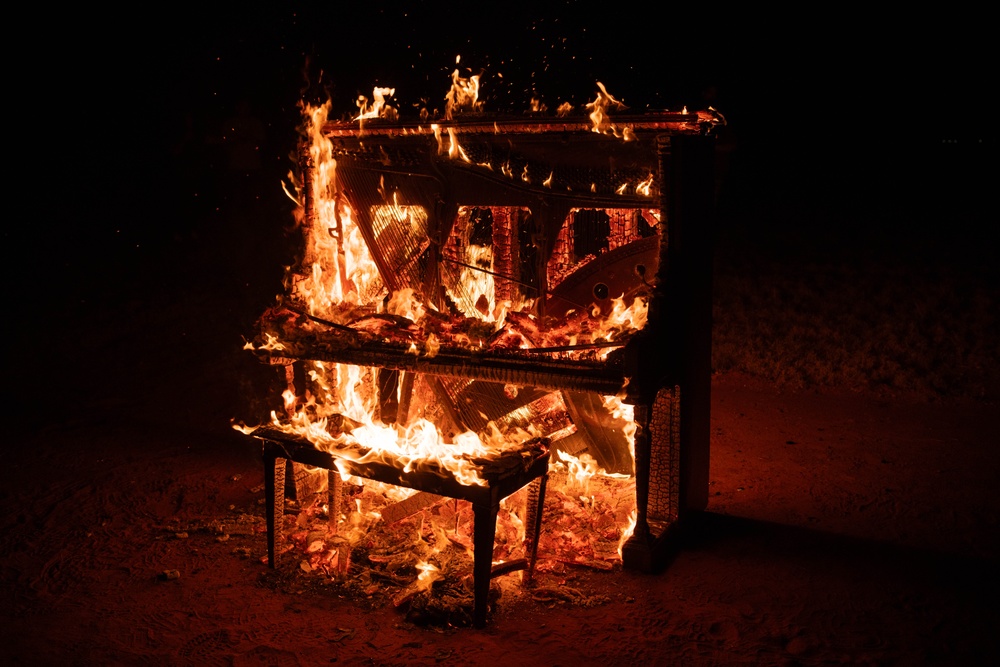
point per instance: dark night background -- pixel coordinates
(137, 258)
(842, 111)
(845, 130)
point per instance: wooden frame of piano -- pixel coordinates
(665, 369)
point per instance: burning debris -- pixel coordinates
(469, 299)
(421, 561)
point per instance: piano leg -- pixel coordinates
(484, 536)
(533, 522)
(274, 499)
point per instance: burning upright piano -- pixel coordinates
(513, 279)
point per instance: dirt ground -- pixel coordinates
(843, 528)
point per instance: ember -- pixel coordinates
(473, 292)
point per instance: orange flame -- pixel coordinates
(644, 187)
(338, 277)
(378, 108)
(463, 96)
(600, 107)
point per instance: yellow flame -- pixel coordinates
(463, 95)
(342, 266)
(621, 317)
(378, 108)
(475, 293)
(454, 149)
(405, 304)
(436, 129)
(579, 471)
(627, 532)
(431, 345)
(429, 573)
(339, 410)
(644, 186)
(599, 109)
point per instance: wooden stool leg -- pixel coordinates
(484, 536)
(333, 496)
(274, 500)
(533, 523)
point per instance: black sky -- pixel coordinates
(873, 119)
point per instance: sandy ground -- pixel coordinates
(843, 528)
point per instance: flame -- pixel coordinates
(405, 304)
(338, 278)
(333, 233)
(342, 271)
(627, 532)
(580, 470)
(419, 447)
(631, 317)
(622, 411)
(436, 129)
(378, 108)
(454, 149)
(429, 573)
(463, 96)
(431, 346)
(599, 108)
(644, 187)
(475, 293)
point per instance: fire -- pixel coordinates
(579, 472)
(644, 187)
(627, 531)
(599, 109)
(477, 297)
(334, 232)
(624, 317)
(429, 573)
(339, 284)
(454, 148)
(463, 96)
(378, 108)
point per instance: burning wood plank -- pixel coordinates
(409, 506)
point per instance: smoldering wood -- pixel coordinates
(672, 351)
(409, 506)
(508, 473)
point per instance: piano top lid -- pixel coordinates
(659, 122)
